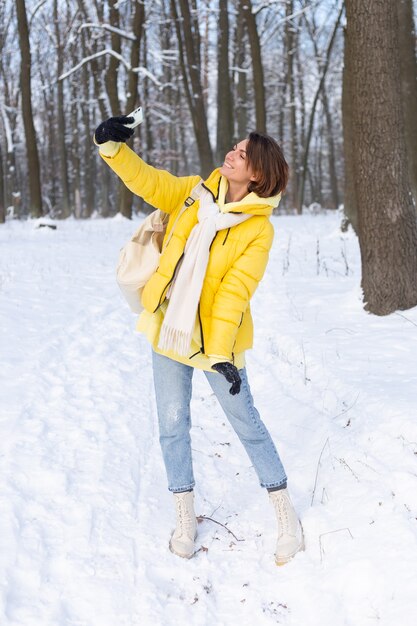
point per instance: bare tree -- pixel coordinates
(113, 65)
(386, 214)
(240, 78)
(313, 109)
(94, 89)
(126, 197)
(224, 91)
(35, 193)
(290, 38)
(189, 54)
(334, 195)
(257, 65)
(65, 209)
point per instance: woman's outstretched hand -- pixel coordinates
(114, 129)
(231, 374)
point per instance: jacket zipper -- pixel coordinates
(201, 351)
(201, 330)
(209, 190)
(168, 283)
(218, 188)
(225, 239)
(215, 198)
(233, 354)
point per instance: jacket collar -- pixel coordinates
(251, 203)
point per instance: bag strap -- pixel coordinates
(194, 195)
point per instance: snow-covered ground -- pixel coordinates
(85, 515)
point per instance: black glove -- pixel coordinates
(114, 129)
(231, 374)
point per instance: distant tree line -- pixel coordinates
(206, 73)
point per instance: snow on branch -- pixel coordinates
(164, 56)
(112, 29)
(288, 18)
(269, 3)
(148, 74)
(139, 70)
(241, 70)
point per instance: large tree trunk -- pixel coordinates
(224, 92)
(257, 66)
(387, 218)
(35, 194)
(408, 66)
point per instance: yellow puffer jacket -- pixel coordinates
(238, 255)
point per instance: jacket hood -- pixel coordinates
(251, 203)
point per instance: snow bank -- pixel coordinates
(85, 513)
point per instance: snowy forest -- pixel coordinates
(205, 73)
(86, 518)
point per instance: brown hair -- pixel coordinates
(266, 158)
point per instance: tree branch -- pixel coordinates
(139, 70)
(111, 29)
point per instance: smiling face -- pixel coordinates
(236, 167)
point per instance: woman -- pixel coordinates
(196, 308)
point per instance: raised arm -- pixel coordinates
(159, 188)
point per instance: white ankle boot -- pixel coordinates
(290, 532)
(185, 533)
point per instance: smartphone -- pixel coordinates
(137, 114)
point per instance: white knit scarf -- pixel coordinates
(184, 295)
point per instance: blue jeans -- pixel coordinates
(173, 395)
